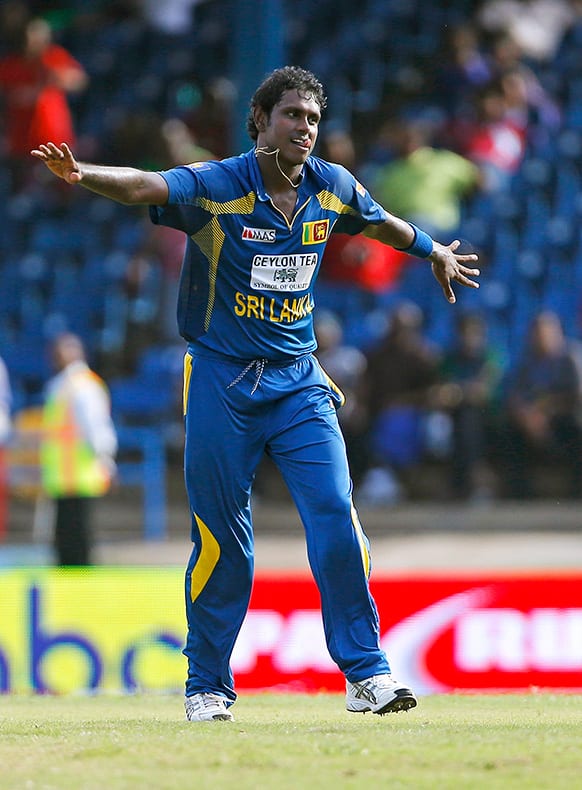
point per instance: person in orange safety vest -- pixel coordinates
(78, 448)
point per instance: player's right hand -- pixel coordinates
(59, 161)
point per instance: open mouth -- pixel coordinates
(305, 145)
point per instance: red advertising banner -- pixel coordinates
(485, 632)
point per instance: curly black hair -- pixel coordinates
(270, 91)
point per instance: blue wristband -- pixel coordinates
(422, 246)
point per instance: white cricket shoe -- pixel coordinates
(207, 707)
(379, 694)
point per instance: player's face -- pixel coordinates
(293, 127)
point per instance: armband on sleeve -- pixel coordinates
(422, 245)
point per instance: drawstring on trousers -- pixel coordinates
(259, 366)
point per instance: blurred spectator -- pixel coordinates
(35, 81)
(361, 262)
(172, 17)
(397, 385)
(77, 450)
(148, 140)
(355, 260)
(425, 184)
(536, 26)
(161, 246)
(5, 403)
(527, 101)
(5, 427)
(464, 67)
(14, 16)
(345, 365)
(137, 139)
(380, 148)
(181, 144)
(471, 372)
(543, 409)
(210, 119)
(337, 145)
(490, 138)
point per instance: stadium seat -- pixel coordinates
(148, 471)
(152, 393)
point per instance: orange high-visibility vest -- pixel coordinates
(69, 466)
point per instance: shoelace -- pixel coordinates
(258, 365)
(385, 681)
(210, 700)
(205, 700)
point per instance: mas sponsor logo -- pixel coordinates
(315, 232)
(268, 235)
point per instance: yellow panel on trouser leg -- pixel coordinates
(361, 541)
(206, 562)
(187, 377)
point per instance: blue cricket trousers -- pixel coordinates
(234, 412)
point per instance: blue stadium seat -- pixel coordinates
(568, 187)
(537, 213)
(153, 392)
(147, 471)
(531, 264)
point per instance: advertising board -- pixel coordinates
(122, 629)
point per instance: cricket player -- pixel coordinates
(257, 225)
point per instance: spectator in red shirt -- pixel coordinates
(35, 81)
(492, 139)
(356, 260)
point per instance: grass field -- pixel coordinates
(291, 741)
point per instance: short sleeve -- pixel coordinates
(362, 209)
(185, 184)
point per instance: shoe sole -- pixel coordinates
(218, 717)
(404, 700)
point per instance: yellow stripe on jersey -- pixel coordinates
(210, 239)
(206, 562)
(240, 205)
(362, 541)
(330, 202)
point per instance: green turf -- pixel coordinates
(291, 741)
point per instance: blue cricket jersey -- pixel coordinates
(246, 287)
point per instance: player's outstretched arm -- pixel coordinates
(447, 265)
(123, 184)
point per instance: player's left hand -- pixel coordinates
(447, 266)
